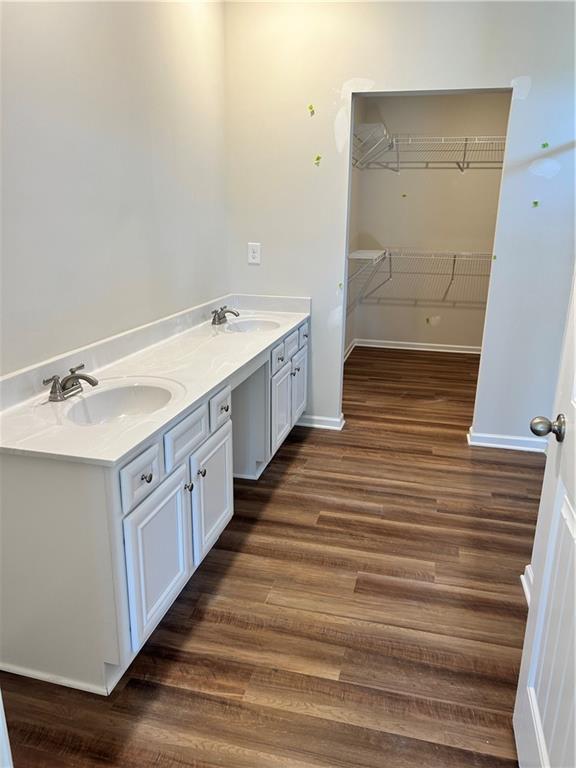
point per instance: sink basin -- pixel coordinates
(117, 402)
(250, 325)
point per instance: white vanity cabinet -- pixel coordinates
(211, 473)
(281, 400)
(159, 554)
(299, 387)
(289, 386)
(168, 535)
(97, 544)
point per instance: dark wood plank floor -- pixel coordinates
(363, 608)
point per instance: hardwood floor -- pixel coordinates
(363, 608)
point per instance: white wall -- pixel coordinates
(112, 148)
(281, 57)
(429, 210)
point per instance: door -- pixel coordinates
(281, 406)
(544, 712)
(299, 383)
(5, 753)
(158, 546)
(213, 493)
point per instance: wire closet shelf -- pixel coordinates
(374, 147)
(411, 277)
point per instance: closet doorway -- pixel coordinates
(424, 189)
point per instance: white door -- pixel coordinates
(281, 406)
(213, 495)
(299, 383)
(544, 713)
(158, 545)
(5, 753)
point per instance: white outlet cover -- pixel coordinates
(253, 253)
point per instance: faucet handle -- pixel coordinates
(51, 380)
(56, 392)
(77, 368)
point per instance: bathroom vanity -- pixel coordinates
(112, 498)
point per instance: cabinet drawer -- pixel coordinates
(139, 477)
(291, 345)
(185, 437)
(220, 408)
(303, 333)
(278, 357)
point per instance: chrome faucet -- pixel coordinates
(62, 389)
(219, 315)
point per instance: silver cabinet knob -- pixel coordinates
(293, 373)
(541, 426)
(202, 472)
(224, 408)
(146, 478)
(280, 359)
(189, 487)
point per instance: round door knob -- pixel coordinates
(189, 487)
(541, 426)
(224, 408)
(146, 478)
(202, 472)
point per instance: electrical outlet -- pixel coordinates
(253, 253)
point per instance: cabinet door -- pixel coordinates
(281, 422)
(158, 547)
(299, 383)
(213, 494)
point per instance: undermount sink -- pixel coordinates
(119, 401)
(249, 325)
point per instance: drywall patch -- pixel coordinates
(355, 85)
(521, 87)
(547, 168)
(342, 119)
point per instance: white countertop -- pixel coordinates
(192, 365)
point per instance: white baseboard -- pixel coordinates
(510, 442)
(321, 422)
(349, 349)
(417, 345)
(57, 679)
(527, 579)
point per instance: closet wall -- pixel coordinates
(430, 209)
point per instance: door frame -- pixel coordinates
(376, 93)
